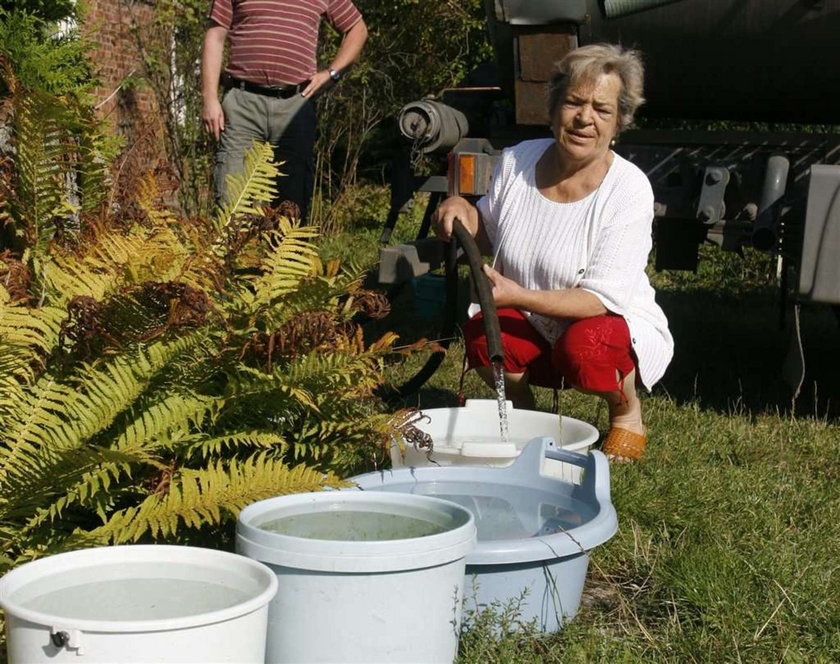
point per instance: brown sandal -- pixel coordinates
(624, 444)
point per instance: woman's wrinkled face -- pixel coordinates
(586, 119)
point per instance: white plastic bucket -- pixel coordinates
(364, 577)
(470, 435)
(144, 603)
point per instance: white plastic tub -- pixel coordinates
(471, 436)
(145, 603)
(535, 532)
(364, 577)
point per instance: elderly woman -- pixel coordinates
(568, 224)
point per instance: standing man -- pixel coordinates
(270, 82)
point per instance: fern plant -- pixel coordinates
(158, 373)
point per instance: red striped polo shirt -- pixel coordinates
(273, 42)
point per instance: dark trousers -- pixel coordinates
(287, 124)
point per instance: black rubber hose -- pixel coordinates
(485, 298)
(484, 292)
(447, 333)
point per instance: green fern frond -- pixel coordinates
(347, 373)
(265, 392)
(318, 437)
(209, 446)
(208, 496)
(40, 187)
(89, 481)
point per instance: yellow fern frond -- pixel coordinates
(148, 197)
(247, 191)
(54, 414)
(290, 259)
(116, 260)
(27, 337)
(171, 417)
(50, 472)
(209, 495)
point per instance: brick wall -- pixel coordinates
(113, 26)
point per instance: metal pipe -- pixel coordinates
(616, 8)
(765, 229)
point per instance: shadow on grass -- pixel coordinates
(730, 351)
(730, 354)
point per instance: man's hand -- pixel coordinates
(506, 292)
(348, 51)
(213, 117)
(321, 79)
(451, 209)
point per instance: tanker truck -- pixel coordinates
(774, 63)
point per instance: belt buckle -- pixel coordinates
(277, 91)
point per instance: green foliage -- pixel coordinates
(422, 46)
(731, 274)
(170, 47)
(56, 164)
(43, 58)
(46, 10)
(414, 49)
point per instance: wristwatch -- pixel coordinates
(334, 74)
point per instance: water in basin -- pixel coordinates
(509, 512)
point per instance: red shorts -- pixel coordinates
(586, 356)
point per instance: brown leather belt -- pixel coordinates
(278, 91)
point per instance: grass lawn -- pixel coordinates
(729, 529)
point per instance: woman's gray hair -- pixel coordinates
(587, 63)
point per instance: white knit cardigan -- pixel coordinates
(599, 243)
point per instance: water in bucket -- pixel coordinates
(355, 526)
(137, 603)
(135, 599)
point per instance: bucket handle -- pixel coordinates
(596, 469)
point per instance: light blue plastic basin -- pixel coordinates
(534, 532)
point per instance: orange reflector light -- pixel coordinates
(466, 174)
